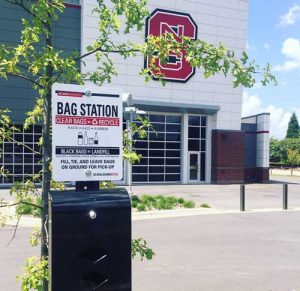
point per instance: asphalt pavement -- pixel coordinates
(212, 251)
(234, 252)
(246, 251)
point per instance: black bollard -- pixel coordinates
(285, 197)
(242, 197)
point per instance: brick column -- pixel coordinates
(228, 149)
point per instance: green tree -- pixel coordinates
(278, 153)
(279, 149)
(36, 60)
(293, 127)
(293, 158)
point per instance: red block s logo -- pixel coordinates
(160, 22)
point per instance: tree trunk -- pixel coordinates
(46, 177)
(47, 156)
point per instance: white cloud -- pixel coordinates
(279, 118)
(291, 16)
(266, 46)
(291, 50)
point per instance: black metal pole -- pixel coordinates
(285, 197)
(242, 197)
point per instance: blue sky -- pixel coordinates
(274, 37)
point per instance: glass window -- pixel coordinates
(173, 145)
(28, 138)
(77, 2)
(158, 127)
(203, 145)
(143, 161)
(173, 128)
(197, 143)
(167, 135)
(8, 147)
(8, 158)
(175, 170)
(144, 153)
(172, 161)
(139, 178)
(203, 132)
(18, 137)
(139, 169)
(153, 169)
(20, 161)
(173, 119)
(171, 154)
(203, 120)
(157, 118)
(194, 120)
(156, 161)
(141, 144)
(156, 153)
(173, 178)
(157, 145)
(202, 172)
(173, 137)
(157, 136)
(194, 145)
(194, 132)
(157, 178)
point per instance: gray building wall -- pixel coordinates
(17, 94)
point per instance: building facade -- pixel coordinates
(198, 135)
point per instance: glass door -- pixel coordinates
(194, 166)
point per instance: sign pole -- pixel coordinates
(130, 165)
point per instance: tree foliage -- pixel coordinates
(36, 60)
(293, 157)
(280, 149)
(293, 130)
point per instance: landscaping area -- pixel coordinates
(161, 202)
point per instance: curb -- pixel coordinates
(27, 221)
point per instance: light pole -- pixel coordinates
(130, 115)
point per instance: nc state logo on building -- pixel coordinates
(176, 69)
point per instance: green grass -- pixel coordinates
(205, 205)
(160, 202)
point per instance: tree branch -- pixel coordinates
(15, 231)
(21, 202)
(25, 78)
(24, 145)
(99, 49)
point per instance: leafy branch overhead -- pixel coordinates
(29, 61)
(36, 60)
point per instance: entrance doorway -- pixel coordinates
(194, 167)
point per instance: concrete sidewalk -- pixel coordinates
(227, 197)
(28, 221)
(221, 198)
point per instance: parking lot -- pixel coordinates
(240, 251)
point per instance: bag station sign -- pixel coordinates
(86, 133)
(160, 22)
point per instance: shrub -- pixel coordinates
(141, 207)
(148, 202)
(189, 204)
(180, 200)
(205, 205)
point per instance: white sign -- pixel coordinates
(86, 133)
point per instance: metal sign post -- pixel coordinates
(90, 229)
